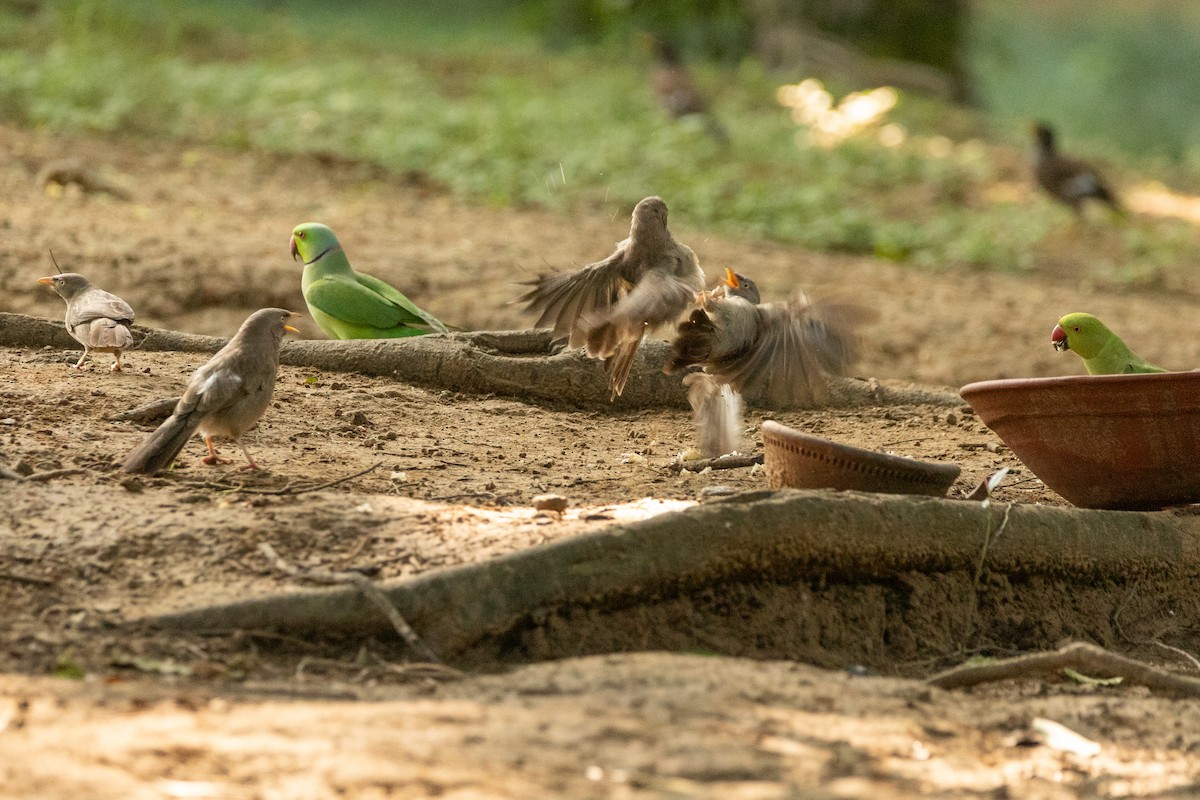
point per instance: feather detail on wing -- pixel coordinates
(796, 346)
(657, 299)
(563, 299)
(98, 304)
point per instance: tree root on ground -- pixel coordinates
(527, 365)
(1089, 659)
(760, 538)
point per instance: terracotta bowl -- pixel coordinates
(800, 461)
(1102, 441)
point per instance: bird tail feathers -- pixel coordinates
(106, 333)
(717, 412)
(618, 366)
(160, 448)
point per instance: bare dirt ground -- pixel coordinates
(200, 243)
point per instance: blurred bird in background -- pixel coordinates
(676, 90)
(1067, 180)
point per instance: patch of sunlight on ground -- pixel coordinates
(1156, 200)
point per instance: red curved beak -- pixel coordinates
(1058, 337)
(295, 250)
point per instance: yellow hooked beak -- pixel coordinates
(289, 327)
(731, 280)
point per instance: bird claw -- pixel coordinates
(214, 459)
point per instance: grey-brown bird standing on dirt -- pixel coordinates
(775, 354)
(1067, 180)
(97, 319)
(225, 397)
(607, 306)
(677, 92)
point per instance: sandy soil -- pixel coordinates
(201, 242)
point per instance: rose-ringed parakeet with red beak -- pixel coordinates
(352, 305)
(1102, 351)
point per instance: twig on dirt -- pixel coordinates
(28, 579)
(1178, 651)
(905, 441)
(468, 495)
(290, 489)
(354, 551)
(51, 474)
(153, 412)
(252, 633)
(1116, 620)
(418, 670)
(988, 540)
(39, 477)
(303, 664)
(719, 462)
(368, 589)
(1083, 657)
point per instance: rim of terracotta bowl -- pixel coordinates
(1056, 381)
(884, 469)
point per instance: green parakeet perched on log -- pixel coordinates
(348, 304)
(1102, 351)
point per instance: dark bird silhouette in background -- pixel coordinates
(677, 92)
(1068, 180)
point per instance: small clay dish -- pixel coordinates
(1101, 441)
(800, 461)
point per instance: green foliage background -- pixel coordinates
(517, 104)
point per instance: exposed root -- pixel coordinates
(364, 585)
(1082, 657)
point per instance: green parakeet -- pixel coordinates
(1102, 351)
(348, 304)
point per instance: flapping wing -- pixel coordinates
(717, 412)
(787, 365)
(657, 299)
(563, 300)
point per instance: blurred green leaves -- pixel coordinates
(473, 101)
(1107, 74)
